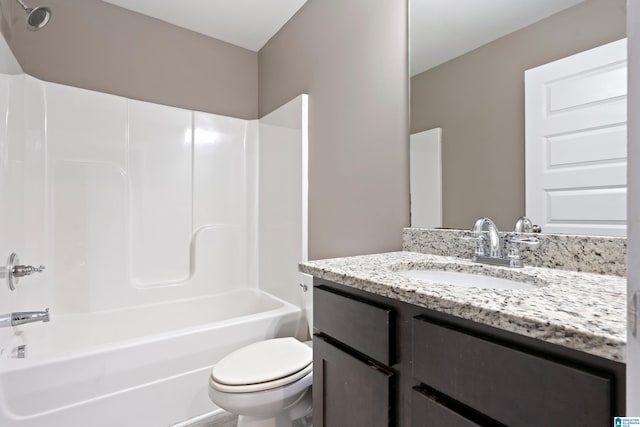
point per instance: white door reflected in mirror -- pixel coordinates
(576, 142)
(425, 154)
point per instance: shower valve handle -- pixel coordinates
(26, 270)
(14, 270)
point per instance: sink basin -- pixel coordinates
(466, 280)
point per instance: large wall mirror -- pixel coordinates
(468, 60)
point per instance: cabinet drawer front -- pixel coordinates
(511, 386)
(359, 325)
(348, 391)
(426, 411)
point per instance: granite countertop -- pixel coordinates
(582, 311)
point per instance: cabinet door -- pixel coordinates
(347, 390)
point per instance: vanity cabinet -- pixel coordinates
(351, 353)
(378, 361)
(352, 391)
(427, 409)
(507, 384)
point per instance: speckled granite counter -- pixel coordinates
(591, 254)
(582, 311)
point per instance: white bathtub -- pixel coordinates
(143, 366)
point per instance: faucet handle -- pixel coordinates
(14, 270)
(478, 237)
(513, 251)
(525, 225)
(534, 242)
(471, 236)
(26, 270)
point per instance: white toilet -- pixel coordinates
(268, 383)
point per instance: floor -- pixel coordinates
(221, 418)
(215, 419)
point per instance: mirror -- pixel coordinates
(468, 60)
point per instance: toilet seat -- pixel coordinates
(262, 366)
(269, 385)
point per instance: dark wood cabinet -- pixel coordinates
(509, 385)
(348, 390)
(381, 362)
(360, 325)
(351, 353)
(429, 410)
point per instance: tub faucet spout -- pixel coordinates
(22, 317)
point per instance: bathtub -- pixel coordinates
(141, 366)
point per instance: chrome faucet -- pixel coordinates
(523, 225)
(496, 242)
(22, 317)
(14, 270)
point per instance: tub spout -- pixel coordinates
(20, 318)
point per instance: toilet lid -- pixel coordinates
(263, 362)
(305, 376)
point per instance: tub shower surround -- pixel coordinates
(589, 254)
(124, 201)
(153, 223)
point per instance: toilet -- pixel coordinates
(267, 383)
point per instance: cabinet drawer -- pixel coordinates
(512, 386)
(357, 324)
(427, 411)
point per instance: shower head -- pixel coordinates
(37, 18)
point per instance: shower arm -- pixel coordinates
(24, 6)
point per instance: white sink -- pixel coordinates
(466, 280)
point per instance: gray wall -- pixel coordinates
(96, 45)
(350, 56)
(478, 100)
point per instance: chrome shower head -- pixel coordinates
(37, 18)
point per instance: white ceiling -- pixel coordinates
(245, 23)
(441, 30)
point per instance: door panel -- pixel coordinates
(348, 391)
(576, 142)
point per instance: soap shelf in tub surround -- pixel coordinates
(578, 310)
(590, 254)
